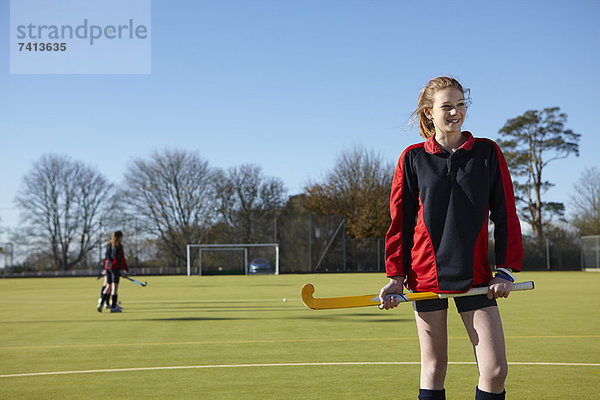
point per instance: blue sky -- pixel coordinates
(290, 84)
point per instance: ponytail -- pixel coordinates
(115, 238)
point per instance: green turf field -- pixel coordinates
(235, 338)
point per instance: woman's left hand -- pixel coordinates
(499, 287)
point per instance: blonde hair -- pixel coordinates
(115, 238)
(426, 101)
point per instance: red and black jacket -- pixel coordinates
(115, 258)
(439, 204)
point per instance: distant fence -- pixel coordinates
(10, 273)
(318, 244)
(551, 255)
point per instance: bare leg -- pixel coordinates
(433, 338)
(485, 331)
(108, 290)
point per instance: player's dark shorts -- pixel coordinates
(466, 303)
(113, 275)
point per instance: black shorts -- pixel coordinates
(466, 303)
(112, 276)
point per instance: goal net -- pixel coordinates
(232, 259)
(590, 252)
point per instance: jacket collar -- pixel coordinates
(432, 147)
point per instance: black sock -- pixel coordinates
(102, 290)
(104, 299)
(426, 394)
(481, 395)
(114, 301)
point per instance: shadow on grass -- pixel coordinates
(371, 317)
(193, 319)
(121, 320)
(225, 308)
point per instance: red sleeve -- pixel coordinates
(403, 207)
(507, 229)
(124, 266)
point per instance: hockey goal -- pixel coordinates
(243, 249)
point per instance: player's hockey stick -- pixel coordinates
(134, 281)
(327, 303)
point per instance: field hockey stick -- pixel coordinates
(328, 303)
(134, 281)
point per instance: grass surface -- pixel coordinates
(241, 324)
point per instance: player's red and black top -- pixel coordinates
(115, 258)
(439, 204)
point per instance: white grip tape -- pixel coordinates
(528, 285)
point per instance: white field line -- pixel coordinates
(272, 341)
(313, 364)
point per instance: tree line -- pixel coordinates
(174, 197)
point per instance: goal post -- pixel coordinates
(243, 247)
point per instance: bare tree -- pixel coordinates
(533, 140)
(357, 188)
(586, 202)
(245, 194)
(61, 201)
(172, 197)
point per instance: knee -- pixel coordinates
(435, 367)
(502, 372)
(496, 373)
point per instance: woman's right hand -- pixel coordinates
(394, 286)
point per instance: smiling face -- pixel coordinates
(448, 111)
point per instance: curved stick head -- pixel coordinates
(328, 303)
(307, 295)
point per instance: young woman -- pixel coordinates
(442, 193)
(115, 265)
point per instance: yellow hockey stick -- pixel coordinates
(328, 303)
